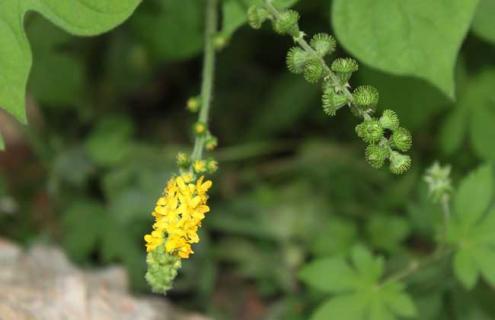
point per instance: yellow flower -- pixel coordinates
(199, 166)
(178, 215)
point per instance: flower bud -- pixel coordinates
(199, 166)
(399, 163)
(389, 120)
(366, 97)
(344, 67)
(313, 71)
(297, 59)
(211, 166)
(370, 131)
(256, 16)
(211, 143)
(332, 101)
(286, 23)
(200, 129)
(401, 139)
(323, 44)
(377, 154)
(183, 160)
(193, 104)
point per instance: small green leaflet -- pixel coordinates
(358, 292)
(415, 38)
(235, 13)
(471, 228)
(483, 22)
(474, 115)
(80, 17)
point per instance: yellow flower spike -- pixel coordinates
(178, 215)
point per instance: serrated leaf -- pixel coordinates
(474, 195)
(369, 268)
(483, 23)
(465, 268)
(348, 307)
(88, 17)
(109, 142)
(330, 274)
(417, 38)
(485, 259)
(170, 29)
(83, 223)
(482, 132)
(453, 130)
(387, 232)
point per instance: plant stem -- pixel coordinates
(336, 83)
(211, 26)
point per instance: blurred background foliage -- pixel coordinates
(107, 116)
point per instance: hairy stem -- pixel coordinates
(211, 26)
(338, 86)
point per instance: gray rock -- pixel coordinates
(42, 284)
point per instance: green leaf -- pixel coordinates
(2, 144)
(88, 17)
(330, 274)
(110, 140)
(170, 29)
(234, 13)
(387, 232)
(57, 76)
(474, 115)
(368, 267)
(83, 223)
(348, 307)
(465, 268)
(474, 195)
(483, 24)
(415, 38)
(414, 111)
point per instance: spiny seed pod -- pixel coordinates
(399, 163)
(377, 154)
(389, 120)
(256, 16)
(332, 101)
(370, 131)
(313, 71)
(323, 44)
(200, 129)
(297, 59)
(286, 23)
(193, 104)
(162, 270)
(211, 143)
(344, 67)
(183, 160)
(401, 139)
(366, 97)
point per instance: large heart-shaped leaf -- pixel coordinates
(409, 37)
(80, 17)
